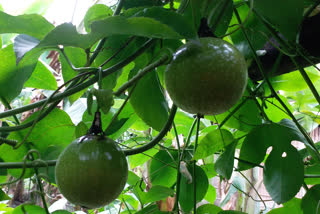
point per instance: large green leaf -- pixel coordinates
(279, 12)
(293, 207)
(278, 170)
(310, 202)
(149, 102)
(165, 16)
(162, 169)
(213, 142)
(33, 25)
(96, 12)
(42, 77)
(50, 136)
(11, 78)
(186, 199)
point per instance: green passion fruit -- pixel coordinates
(92, 171)
(206, 77)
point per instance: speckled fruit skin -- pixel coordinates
(92, 171)
(206, 77)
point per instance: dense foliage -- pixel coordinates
(178, 162)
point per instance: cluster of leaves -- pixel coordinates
(117, 48)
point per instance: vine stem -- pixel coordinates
(81, 86)
(32, 164)
(194, 180)
(7, 105)
(309, 143)
(140, 74)
(176, 202)
(102, 41)
(158, 138)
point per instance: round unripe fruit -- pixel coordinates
(206, 77)
(92, 171)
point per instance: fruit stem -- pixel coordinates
(96, 127)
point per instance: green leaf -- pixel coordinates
(137, 185)
(186, 199)
(312, 170)
(156, 193)
(11, 80)
(163, 169)
(293, 81)
(211, 194)
(42, 78)
(33, 25)
(278, 170)
(255, 31)
(139, 159)
(56, 129)
(165, 16)
(224, 164)
(274, 109)
(208, 208)
(278, 174)
(213, 142)
(148, 101)
(96, 12)
(293, 206)
(245, 119)
(215, 8)
(124, 121)
(279, 136)
(209, 170)
(81, 129)
(22, 209)
(310, 202)
(183, 122)
(78, 58)
(3, 196)
(278, 16)
(112, 45)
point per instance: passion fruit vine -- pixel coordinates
(206, 77)
(92, 171)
